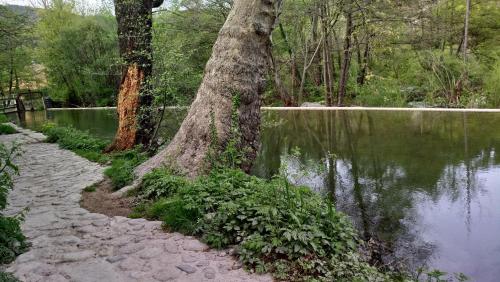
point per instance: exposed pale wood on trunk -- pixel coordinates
(135, 121)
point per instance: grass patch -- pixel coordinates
(82, 143)
(90, 189)
(6, 129)
(276, 227)
(121, 171)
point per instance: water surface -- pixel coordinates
(427, 183)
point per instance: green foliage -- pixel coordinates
(158, 184)
(7, 277)
(381, 92)
(80, 55)
(6, 168)
(82, 143)
(121, 171)
(90, 189)
(276, 227)
(492, 85)
(3, 118)
(16, 43)
(12, 240)
(6, 129)
(182, 44)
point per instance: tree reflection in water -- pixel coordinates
(385, 168)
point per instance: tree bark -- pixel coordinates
(466, 29)
(135, 122)
(237, 68)
(327, 69)
(347, 58)
(363, 61)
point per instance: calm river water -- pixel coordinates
(428, 183)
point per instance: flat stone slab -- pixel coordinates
(72, 244)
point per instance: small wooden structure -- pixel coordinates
(22, 101)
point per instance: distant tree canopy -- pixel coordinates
(374, 53)
(80, 54)
(15, 49)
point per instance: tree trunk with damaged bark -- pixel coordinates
(238, 67)
(135, 122)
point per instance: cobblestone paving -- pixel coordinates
(72, 244)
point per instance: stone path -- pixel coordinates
(72, 244)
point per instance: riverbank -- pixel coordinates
(72, 244)
(274, 226)
(318, 108)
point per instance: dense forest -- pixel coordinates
(336, 52)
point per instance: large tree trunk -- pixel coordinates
(135, 122)
(237, 68)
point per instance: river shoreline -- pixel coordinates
(323, 109)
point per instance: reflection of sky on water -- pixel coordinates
(466, 234)
(426, 183)
(456, 233)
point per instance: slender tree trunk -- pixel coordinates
(237, 69)
(21, 109)
(347, 58)
(11, 73)
(364, 62)
(466, 29)
(280, 88)
(295, 69)
(327, 69)
(317, 60)
(135, 100)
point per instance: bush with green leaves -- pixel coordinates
(275, 226)
(7, 129)
(12, 240)
(159, 184)
(121, 171)
(7, 277)
(82, 143)
(3, 118)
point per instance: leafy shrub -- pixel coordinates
(7, 277)
(382, 92)
(492, 85)
(6, 129)
(159, 184)
(276, 227)
(12, 241)
(3, 118)
(120, 173)
(122, 167)
(82, 143)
